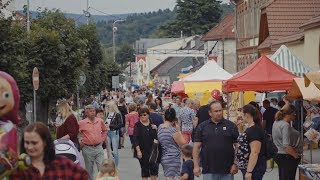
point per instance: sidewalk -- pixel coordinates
(129, 168)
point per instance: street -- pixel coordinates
(129, 168)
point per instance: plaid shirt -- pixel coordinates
(59, 168)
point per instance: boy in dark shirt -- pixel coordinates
(187, 166)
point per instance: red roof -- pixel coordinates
(262, 75)
(286, 16)
(223, 30)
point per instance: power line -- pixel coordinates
(103, 12)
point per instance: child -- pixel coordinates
(108, 171)
(187, 166)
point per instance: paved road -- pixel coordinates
(129, 168)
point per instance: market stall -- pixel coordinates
(262, 75)
(199, 84)
(309, 95)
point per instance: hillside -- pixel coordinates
(143, 25)
(81, 19)
(134, 27)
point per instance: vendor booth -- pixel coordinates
(263, 75)
(309, 167)
(286, 59)
(199, 84)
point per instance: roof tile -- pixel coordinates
(223, 30)
(286, 16)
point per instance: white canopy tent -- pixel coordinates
(211, 71)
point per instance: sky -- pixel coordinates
(104, 6)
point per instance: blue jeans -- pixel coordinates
(217, 177)
(113, 138)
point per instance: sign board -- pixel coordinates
(35, 78)
(115, 82)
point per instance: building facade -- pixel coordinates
(149, 54)
(220, 44)
(247, 30)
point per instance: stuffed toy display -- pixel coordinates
(9, 106)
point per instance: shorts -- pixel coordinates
(148, 169)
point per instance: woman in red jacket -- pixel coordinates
(69, 127)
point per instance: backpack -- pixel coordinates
(270, 148)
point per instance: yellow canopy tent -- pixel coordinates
(201, 90)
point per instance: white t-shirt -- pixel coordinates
(109, 118)
(129, 99)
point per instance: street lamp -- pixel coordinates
(114, 29)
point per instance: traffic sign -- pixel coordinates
(115, 82)
(35, 78)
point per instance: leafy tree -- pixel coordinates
(59, 53)
(125, 54)
(193, 17)
(13, 59)
(227, 9)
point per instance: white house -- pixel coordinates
(220, 44)
(153, 55)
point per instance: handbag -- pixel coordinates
(154, 152)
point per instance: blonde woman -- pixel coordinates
(114, 122)
(288, 141)
(69, 127)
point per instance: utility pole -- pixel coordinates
(28, 16)
(88, 16)
(114, 29)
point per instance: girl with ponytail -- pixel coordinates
(288, 141)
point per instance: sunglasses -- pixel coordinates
(143, 114)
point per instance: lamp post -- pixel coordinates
(114, 29)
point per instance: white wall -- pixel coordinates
(308, 49)
(223, 49)
(312, 47)
(154, 59)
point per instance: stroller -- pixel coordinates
(66, 148)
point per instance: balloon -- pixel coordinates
(215, 94)
(151, 84)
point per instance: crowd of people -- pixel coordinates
(186, 139)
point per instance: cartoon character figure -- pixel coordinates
(9, 98)
(9, 105)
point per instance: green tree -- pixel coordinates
(124, 55)
(59, 53)
(95, 70)
(13, 58)
(193, 17)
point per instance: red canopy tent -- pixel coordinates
(262, 75)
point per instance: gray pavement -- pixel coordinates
(129, 168)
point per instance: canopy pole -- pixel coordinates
(301, 125)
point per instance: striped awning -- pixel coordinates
(286, 59)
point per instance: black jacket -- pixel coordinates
(116, 122)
